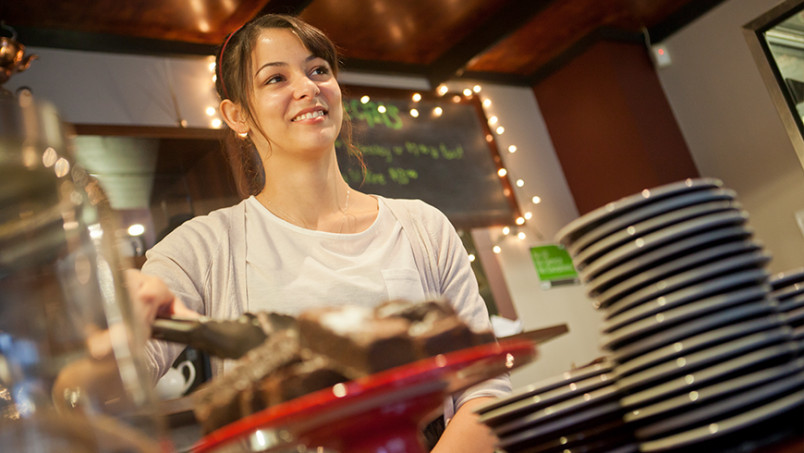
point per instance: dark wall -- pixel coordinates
(611, 125)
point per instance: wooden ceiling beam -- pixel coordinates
(105, 42)
(290, 7)
(493, 30)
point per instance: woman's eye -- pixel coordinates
(320, 70)
(274, 79)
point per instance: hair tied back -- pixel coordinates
(220, 60)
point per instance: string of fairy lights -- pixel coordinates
(520, 228)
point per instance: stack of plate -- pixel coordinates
(575, 411)
(699, 349)
(788, 289)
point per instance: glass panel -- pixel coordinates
(786, 44)
(776, 40)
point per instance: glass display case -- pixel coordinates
(72, 375)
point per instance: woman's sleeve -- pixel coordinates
(182, 260)
(459, 286)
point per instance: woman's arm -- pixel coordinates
(465, 433)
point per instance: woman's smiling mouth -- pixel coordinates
(310, 115)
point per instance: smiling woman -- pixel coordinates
(305, 239)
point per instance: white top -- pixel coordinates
(290, 269)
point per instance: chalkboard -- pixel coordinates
(449, 159)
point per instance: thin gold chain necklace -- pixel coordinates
(284, 215)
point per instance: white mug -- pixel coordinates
(173, 383)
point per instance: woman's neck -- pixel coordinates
(312, 195)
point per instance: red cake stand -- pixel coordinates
(381, 413)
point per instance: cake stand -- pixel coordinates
(381, 413)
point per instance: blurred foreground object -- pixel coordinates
(70, 367)
(12, 57)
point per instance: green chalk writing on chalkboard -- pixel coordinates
(421, 150)
(416, 149)
(369, 114)
(451, 154)
(435, 152)
(402, 175)
(377, 151)
(353, 176)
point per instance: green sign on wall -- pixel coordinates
(553, 264)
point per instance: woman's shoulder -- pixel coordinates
(413, 207)
(208, 228)
(230, 215)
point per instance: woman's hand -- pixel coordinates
(152, 299)
(465, 433)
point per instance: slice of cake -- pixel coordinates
(217, 402)
(326, 346)
(434, 326)
(316, 373)
(353, 338)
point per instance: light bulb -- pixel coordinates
(136, 229)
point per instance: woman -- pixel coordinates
(305, 238)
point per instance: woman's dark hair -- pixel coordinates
(234, 82)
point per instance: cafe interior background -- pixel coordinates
(614, 97)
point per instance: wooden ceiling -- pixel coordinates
(508, 41)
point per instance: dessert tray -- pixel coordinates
(382, 412)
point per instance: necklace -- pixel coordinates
(284, 215)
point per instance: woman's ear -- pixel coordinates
(235, 116)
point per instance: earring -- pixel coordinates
(243, 134)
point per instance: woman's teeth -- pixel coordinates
(309, 115)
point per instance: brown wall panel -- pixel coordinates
(611, 125)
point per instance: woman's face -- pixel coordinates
(297, 100)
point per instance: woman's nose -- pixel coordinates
(305, 87)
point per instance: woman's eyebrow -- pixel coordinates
(270, 64)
